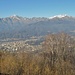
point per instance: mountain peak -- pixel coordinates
(59, 16)
(15, 17)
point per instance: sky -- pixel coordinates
(36, 8)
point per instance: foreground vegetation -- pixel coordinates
(57, 57)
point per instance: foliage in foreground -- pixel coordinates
(56, 58)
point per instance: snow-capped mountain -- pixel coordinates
(15, 17)
(60, 16)
(22, 27)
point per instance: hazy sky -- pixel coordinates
(36, 8)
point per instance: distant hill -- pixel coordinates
(22, 27)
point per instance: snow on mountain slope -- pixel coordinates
(60, 16)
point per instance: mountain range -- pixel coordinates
(22, 27)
